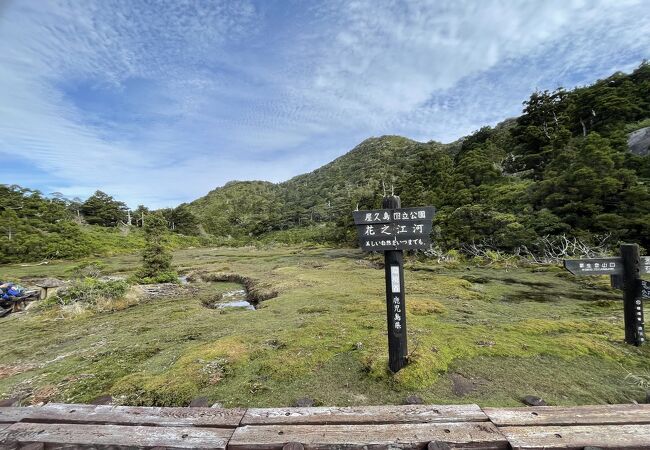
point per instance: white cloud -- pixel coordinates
(160, 103)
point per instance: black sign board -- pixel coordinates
(645, 264)
(624, 272)
(394, 229)
(594, 266)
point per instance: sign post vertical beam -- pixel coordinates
(395, 304)
(632, 298)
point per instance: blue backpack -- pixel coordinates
(11, 292)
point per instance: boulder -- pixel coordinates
(200, 402)
(531, 400)
(413, 400)
(304, 402)
(638, 142)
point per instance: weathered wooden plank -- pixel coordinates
(11, 414)
(364, 415)
(578, 437)
(3, 427)
(117, 436)
(572, 415)
(471, 435)
(129, 415)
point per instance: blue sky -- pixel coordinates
(159, 102)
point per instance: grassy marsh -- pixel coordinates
(504, 333)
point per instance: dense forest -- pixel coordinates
(563, 168)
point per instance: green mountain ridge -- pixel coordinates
(525, 178)
(256, 207)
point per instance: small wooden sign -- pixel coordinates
(624, 274)
(392, 230)
(594, 266)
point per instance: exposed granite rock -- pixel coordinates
(639, 141)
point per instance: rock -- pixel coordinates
(531, 400)
(304, 402)
(438, 446)
(462, 385)
(413, 400)
(14, 401)
(293, 446)
(163, 290)
(102, 400)
(638, 141)
(358, 346)
(485, 343)
(217, 405)
(32, 305)
(200, 402)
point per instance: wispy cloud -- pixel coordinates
(159, 102)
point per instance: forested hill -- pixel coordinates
(562, 167)
(322, 196)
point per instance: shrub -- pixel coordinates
(88, 291)
(163, 277)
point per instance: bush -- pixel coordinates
(163, 277)
(88, 291)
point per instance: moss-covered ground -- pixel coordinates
(489, 335)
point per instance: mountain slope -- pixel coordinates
(252, 207)
(563, 167)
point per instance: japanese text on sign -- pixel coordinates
(595, 266)
(397, 313)
(425, 213)
(377, 245)
(394, 279)
(394, 229)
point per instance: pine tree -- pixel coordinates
(102, 209)
(156, 258)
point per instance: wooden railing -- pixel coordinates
(366, 427)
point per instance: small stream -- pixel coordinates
(234, 299)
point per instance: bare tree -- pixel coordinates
(553, 249)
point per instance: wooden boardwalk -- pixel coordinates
(56, 426)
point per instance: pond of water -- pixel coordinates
(234, 299)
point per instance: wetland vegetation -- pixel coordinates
(481, 333)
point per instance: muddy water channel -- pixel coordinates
(234, 299)
(222, 295)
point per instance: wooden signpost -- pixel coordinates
(392, 230)
(625, 272)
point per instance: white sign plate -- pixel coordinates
(394, 279)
